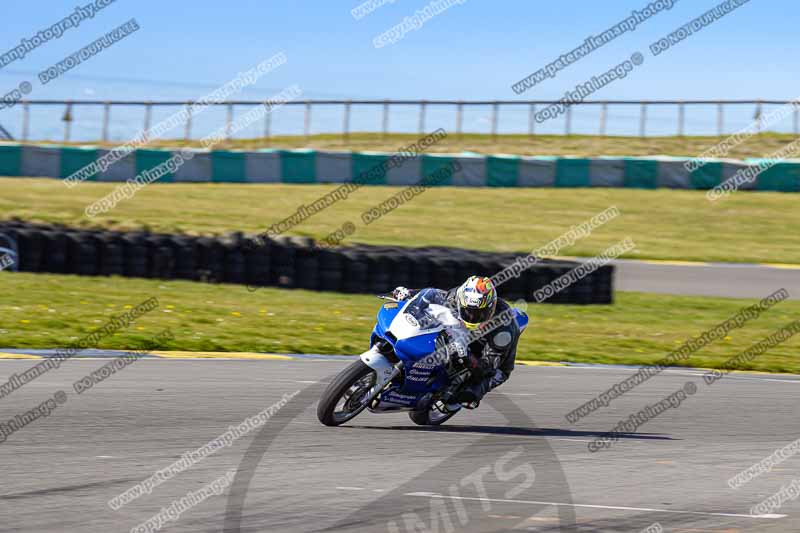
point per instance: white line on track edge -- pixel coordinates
(619, 508)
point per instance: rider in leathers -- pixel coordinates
(491, 355)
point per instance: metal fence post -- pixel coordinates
(532, 121)
(229, 123)
(796, 120)
(603, 119)
(422, 108)
(495, 112)
(385, 121)
(346, 120)
(720, 119)
(681, 118)
(459, 118)
(26, 120)
(307, 121)
(267, 123)
(568, 121)
(148, 110)
(187, 132)
(106, 120)
(758, 116)
(643, 121)
(67, 121)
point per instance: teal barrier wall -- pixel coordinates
(472, 170)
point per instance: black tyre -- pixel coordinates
(348, 388)
(211, 257)
(431, 417)
(306, 268)
(234, 266)
(282, 267)
(112, 255)
(135, 250)
(257, 262)
(31, 250)
(55, 252)
(185, 251)
(356, 272)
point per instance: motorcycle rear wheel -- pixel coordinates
(430, 417)
(349, 389)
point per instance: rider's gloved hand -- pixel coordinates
(401, 293)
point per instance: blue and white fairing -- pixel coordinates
(412, 328)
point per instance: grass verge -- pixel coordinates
(664, 224)
(578, 145)
(49, 311)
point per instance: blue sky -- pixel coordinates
(474, 50)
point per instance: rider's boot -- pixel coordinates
(468, 399)
(470, 396)
(452, 407)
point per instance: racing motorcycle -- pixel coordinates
(409, 367)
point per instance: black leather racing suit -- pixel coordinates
(494, 352)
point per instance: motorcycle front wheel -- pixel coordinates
(346, 396)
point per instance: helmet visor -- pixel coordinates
(475, 316)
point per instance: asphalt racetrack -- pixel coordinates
(729, 280)
(513, 464)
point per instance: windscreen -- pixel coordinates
(430, 310)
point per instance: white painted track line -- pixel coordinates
(587, 506)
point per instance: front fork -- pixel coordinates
(385, 371)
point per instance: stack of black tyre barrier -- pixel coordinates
(288, 262)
